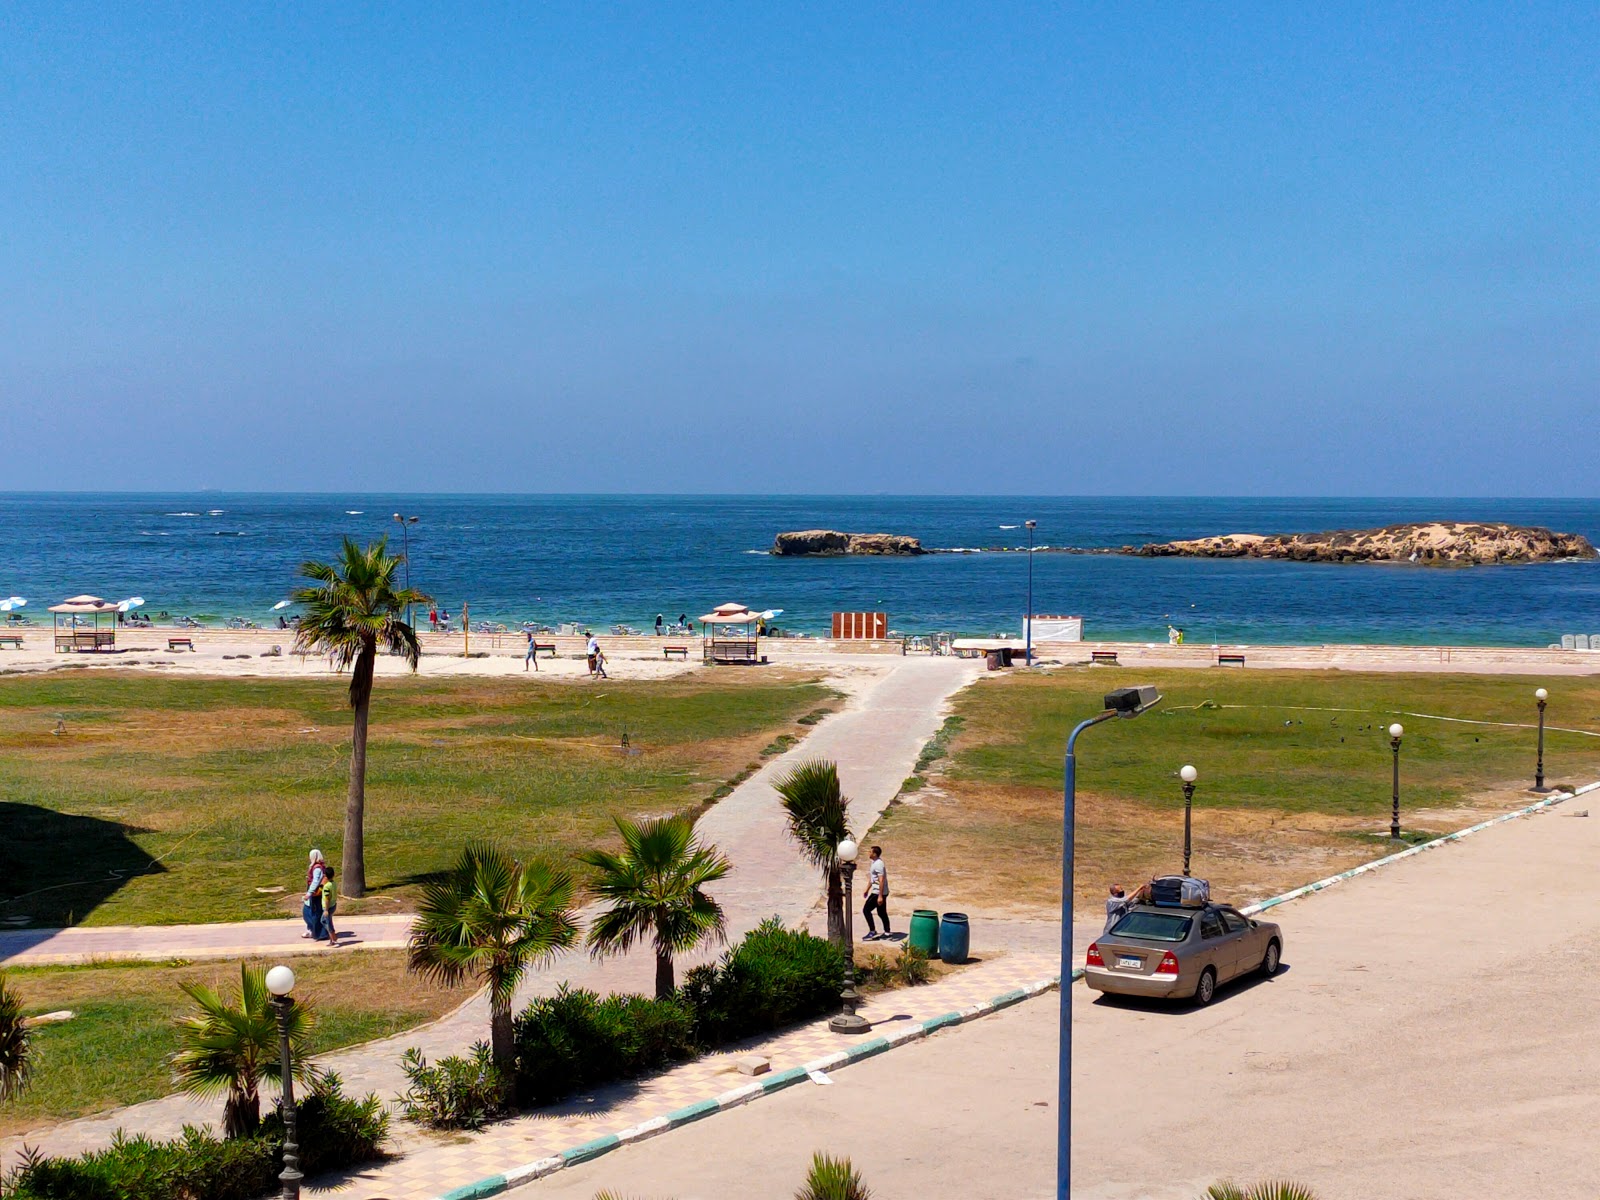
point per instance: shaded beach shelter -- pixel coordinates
(85, 623)
(732, 634)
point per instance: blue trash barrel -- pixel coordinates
(955, 938)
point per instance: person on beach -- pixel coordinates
(877, 896)
(1116, 901)
(660, 626)
(330, 901)
(433, 618)
(600, 663)
(530, 656)
(311, 908)
(592, 652)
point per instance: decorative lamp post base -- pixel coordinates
(849, 1023)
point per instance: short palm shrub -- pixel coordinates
(877, 971)
(1273, 1189)
(832, 1179)
(455, 1092)
(913, 967)
(575, 1039)
(774, 977)
(16, 1060)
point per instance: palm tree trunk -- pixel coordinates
(835, 906)
(665, 983)
(241, 1113)
(502, 1045)
(353, 872)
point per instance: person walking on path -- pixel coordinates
(531, 656)
(330, 901)
(592, 652)
(600, 663)
(877, 895)
(311, 908)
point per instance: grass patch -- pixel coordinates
(1294, 778)
(164, 800)
(115, 1050)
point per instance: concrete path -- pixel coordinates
(875, 741)
(1429, 1036)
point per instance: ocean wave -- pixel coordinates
(768, 553)
(182, 514)
(961, 550)
(155, 533)
(215, 512)
(355, 512)
(227, 533)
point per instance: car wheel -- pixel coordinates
(1206, 990)
(1269, 961)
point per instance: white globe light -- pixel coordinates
(848, 851)
(280, 981)
(1541, 694)
(1396, 730)
(1188, 774)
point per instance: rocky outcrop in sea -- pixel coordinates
(1429, 544)
(828, 542)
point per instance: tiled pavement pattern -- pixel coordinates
(434, 1166)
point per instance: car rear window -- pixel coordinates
(1155, 927)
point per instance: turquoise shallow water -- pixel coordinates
(604, 559)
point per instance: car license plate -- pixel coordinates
(1132, 964)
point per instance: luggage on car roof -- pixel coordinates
(1179, 890)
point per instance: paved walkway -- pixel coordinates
(875, 741)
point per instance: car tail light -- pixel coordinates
(1168, 964)
(1094, 959)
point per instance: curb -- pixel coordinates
(913, 1031)
(917, 1030)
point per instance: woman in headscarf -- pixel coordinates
(311, 909)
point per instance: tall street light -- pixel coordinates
(1188, 774)
(405, 543)
(1395, 732)
(849, 1021)
(1027, 645)
(1543, 697)
(1124, 702)
(280, 982)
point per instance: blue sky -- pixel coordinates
(853, 248)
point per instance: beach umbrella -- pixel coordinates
(131, 603)
(281, 604)
(770, 613)
(11, 602)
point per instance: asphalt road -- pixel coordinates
(1433, 1034)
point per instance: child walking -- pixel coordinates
(330, 901)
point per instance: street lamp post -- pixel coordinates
(849, 1021)
(280, 982)
(1124, 702)
(1395, 732)
(405, 544)
(1543, 697)
(1188, 774)
(1027, 644)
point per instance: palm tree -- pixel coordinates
(16, 1059)
(654, 888)
(491, 918)
(832, 1179)
(819, 820)
(235, 1047)
(353, 608)
(1276, 1189)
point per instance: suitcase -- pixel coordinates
(1179, 891)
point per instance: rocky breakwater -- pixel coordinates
(1431, 544)
(827, 542)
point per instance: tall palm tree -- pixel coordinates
(354, 606)
(16, 1058)
(491, 918)
(234, 1047)
(819, 820)
(655, 891)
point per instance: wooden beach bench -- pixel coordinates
(545, 648)
(1230, 660)
(14, 640)
(175, 643)
(680, 651)
(1103, 658)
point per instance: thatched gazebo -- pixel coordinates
(74, 633)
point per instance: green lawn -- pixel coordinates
(132, 799)
(116, 1048)
(1295, 775)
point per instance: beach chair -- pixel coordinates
(1580, 641)
(1568, 642)
(1594, 641)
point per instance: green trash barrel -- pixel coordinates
(924, 931)
(954, 938)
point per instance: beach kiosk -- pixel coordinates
(85, 623)
(732, 635)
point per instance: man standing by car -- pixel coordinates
(877, 896)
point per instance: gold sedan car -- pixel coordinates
(1181, 953)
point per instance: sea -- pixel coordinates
(602, 560)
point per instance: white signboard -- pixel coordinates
(1054, 629)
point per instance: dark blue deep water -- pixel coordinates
(603, 559)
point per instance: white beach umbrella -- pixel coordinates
(131, 603)
(281, 604)
(770, 613)
(11, 602)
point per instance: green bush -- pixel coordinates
(456, 1092)
(877, 971)
(334, 1131)
(774, 977)
(913, 967)
(575, 1039)
(832, 1179)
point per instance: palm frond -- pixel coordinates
(16, 1057)
(817, 810)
